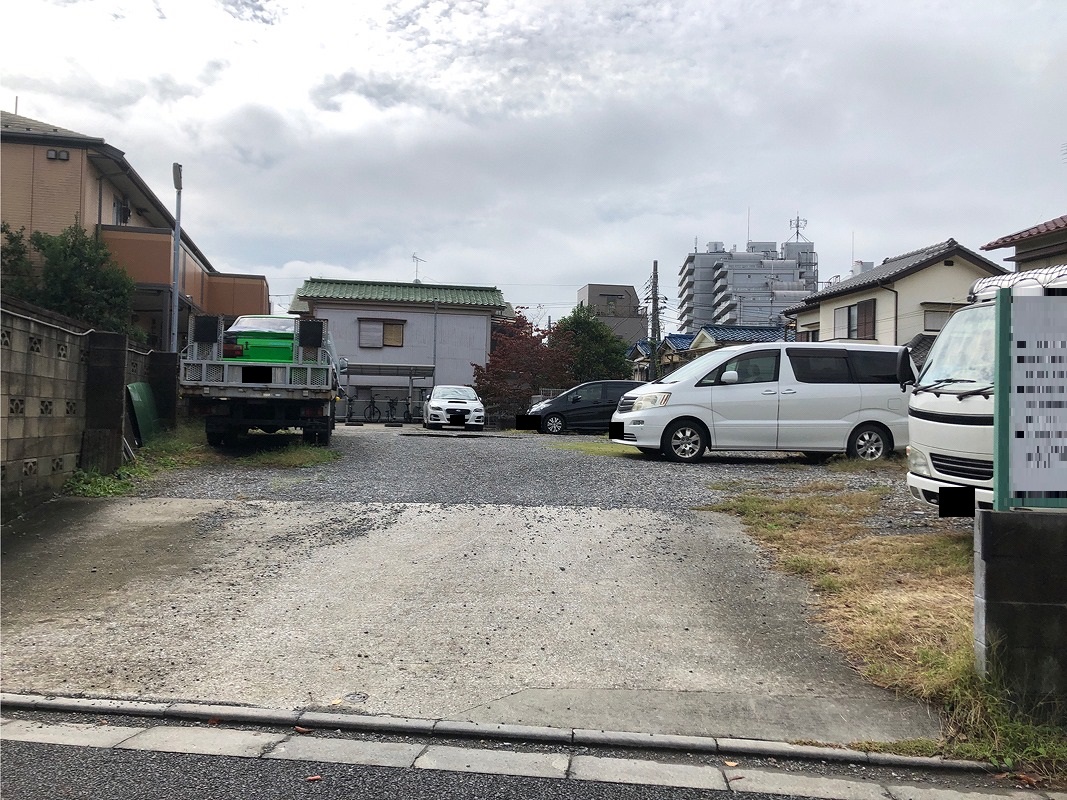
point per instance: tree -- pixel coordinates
(78, 278)
(598, 354)
(19, 277)
(520, 364)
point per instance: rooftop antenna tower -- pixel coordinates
(416, 259)
(798, 225)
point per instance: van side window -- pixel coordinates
(876, 367)
(594, 392)
(820, 367)
(759, 367)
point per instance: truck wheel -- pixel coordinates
(215, 438)
(324, 438)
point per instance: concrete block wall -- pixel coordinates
(43, 361)
(63, 400)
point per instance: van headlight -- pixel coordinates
(653, 400)
(917, 462)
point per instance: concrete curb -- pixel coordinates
(250, 715)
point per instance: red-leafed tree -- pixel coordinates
(521, 363)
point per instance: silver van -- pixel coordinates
(814, 398)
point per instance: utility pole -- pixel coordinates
(653, 345)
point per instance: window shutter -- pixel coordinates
(393, 334)
(370, 333)
(865, 321)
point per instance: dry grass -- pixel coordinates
(895, 605)
(900, 608)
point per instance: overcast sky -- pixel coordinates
(540, 145)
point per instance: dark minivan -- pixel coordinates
(587, 407)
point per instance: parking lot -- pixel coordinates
(493, 577)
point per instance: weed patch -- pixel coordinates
(900, 608)
(185, 448)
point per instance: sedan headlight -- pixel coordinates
(434, 407)
(653, 400)
(479, 410)
(917, 462)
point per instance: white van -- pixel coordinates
(811, 397)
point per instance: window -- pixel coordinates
(820, 366)
(591, 393)
(393, 334)
(808, 336)
(876, 367)
(759, 367)
(935, 320)
(381, 333)
(855, 321)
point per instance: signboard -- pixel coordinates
(1030, 420)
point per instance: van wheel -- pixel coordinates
(554, 423)
(684, 441)
(869, 443)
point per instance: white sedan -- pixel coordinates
(453, 405)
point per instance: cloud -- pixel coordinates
(260, 11)
(382, 92)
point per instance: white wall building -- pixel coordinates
(401, 335)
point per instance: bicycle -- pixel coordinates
(407, 409)
(372, 413)
(392, 409)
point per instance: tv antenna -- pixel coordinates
(416, 259)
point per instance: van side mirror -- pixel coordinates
(730, 376)
(905, 374)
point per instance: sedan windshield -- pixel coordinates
(454, 393)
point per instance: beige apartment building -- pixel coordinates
(53, 178)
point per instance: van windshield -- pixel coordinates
(964, 350)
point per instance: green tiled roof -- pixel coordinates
(389, 292)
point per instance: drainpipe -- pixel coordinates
(896, 308)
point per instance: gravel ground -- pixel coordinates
(411, 465)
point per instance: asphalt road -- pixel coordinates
(49, 772)
(486, 578)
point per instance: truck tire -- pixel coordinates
(216, 438)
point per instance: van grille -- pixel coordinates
(969, 468)
(626, 403)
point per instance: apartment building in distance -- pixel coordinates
(754, 287)
(617, 307)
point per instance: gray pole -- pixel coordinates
(174, 288)
(435, 340)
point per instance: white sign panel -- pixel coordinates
(1038, 449)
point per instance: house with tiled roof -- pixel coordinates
(712, 337)
(891, 303)
(54, 178)
(1043, 245)
(403, 337)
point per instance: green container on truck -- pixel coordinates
(263, 372)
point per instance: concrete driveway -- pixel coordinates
(572, 615)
